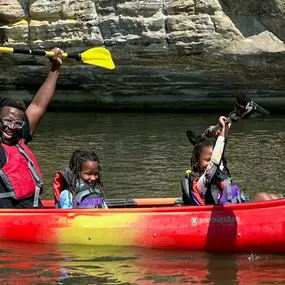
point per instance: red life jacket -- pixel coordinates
(21, 173)
(62, 181)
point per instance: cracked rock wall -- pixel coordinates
(190, 54)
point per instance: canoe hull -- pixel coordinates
(250, 227)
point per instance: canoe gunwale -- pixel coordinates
(153, 207)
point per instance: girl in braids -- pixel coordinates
(209, 182)
(79, 185)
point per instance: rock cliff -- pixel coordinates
(174, 54)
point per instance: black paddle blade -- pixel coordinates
(246, 108)
(258, 110)
(192, 137)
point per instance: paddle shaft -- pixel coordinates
(76, 56)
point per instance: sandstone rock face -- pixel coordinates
(11, 10)
(172, 54)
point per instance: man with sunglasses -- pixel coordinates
(20, 176)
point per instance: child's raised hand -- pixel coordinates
(222, 121)
(224, 125)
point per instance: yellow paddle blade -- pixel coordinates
(6, 50)
(98, 56)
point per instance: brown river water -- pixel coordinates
(145, 155)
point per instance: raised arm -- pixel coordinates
(39, 104)
(214, 163)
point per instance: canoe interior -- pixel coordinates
(132, 203)
(138, 202)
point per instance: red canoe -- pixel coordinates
(155, 223)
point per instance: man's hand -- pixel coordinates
(56, 59)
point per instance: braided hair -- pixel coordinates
(18, 104)
(198, 148)
(78, 158)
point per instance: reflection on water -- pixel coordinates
(41, 264)
(145, 155)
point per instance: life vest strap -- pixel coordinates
(39, 182)
(7, 195)
(8, 185)
(37, 197)
(31, 166)
(229, 192)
